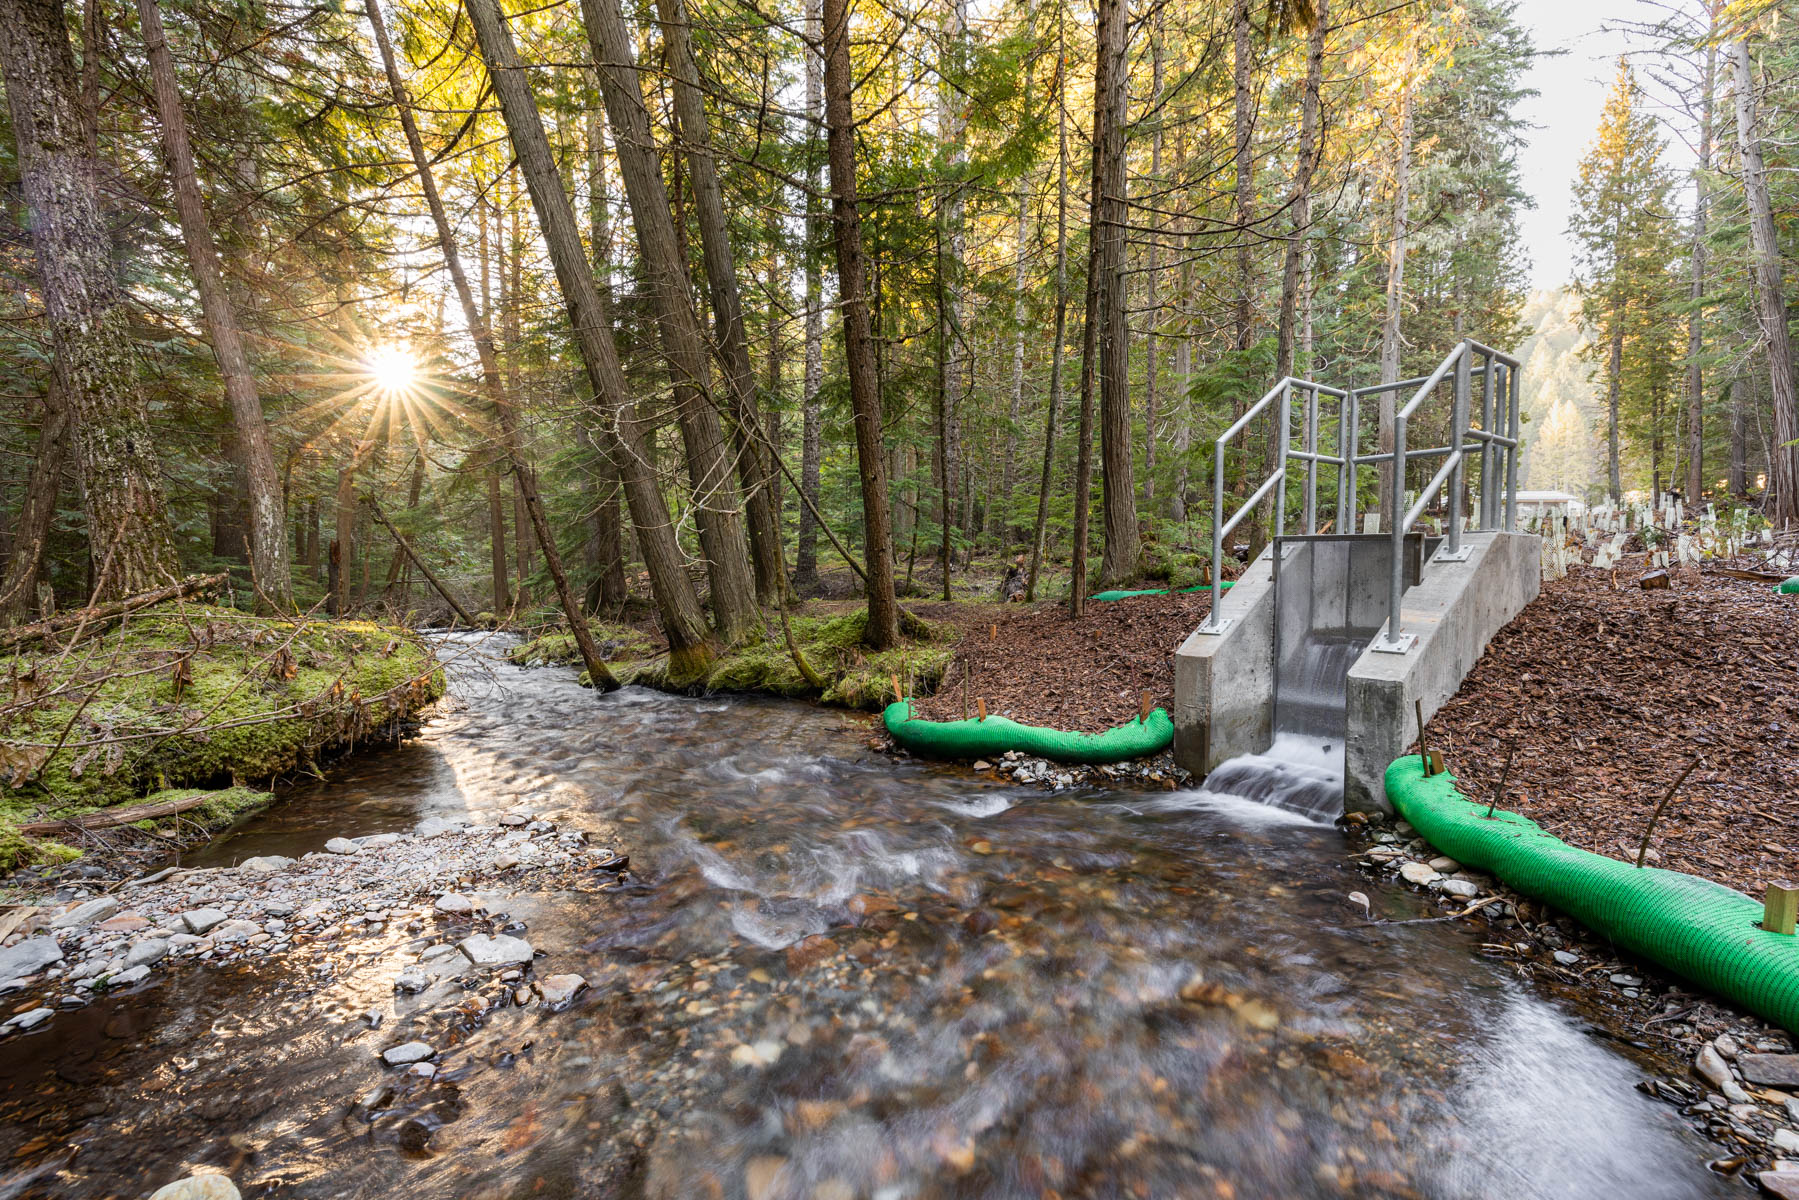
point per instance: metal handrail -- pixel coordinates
(1480, 445)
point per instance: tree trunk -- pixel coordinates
(1057, 346)
(952, 246)
(1305, 162)
(683, 348)
(1389, 330)
(1783, 454)
(691, 648)
(397, 560)
(31, 532)
(1152, 269)
(1696, 267)
(755, 463)
(524, 478)
(1123, 556)
(812, 411)
(499, 560)
(858, 335)
(96, 367)
(1614, 385)
(254, 455)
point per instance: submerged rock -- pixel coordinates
(198, 1187)
(497, 951)
(559, 989)
(30, 1020)
(1419, 873)
(407, 1054)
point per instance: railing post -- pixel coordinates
(1311, 445)
(1511, 455)
(1489, 477)
(1458, 428)
(1279, 525)
(1348, 414)
(1396, 522)
(1212, 625)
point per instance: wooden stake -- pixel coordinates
(1499, 792)
(965, 674)
(993, 633)
(981, 705)
(1643, 850)
(1143, 707)
(899, 697)
(1781, 909)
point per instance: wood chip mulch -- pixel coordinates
(1606, 692)
(1033, 664)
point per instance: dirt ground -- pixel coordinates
(1604, 693)
(1033, 664)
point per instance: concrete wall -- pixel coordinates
(1224, 683)
(1454, 612)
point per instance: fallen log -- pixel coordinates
(112, 817)
(430, 575)
(89, 621)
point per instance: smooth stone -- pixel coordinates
(83, 915)
(1445, 864)
(235, 931)
(1627, 981)
(505, 862)
(1727, 1046)
(278, 908)
(412, 979)
(1419, 873)
(198, 1187)
(1566, 957)
(1781, 1184)
(29, 957)
(146, 952)
(129, 977)
(32, 1019)
(411, 1052)
(1458, 887)
(513, 820)
(377, 841)
(265, 864)
(558, 989)
(454, 902)
(340, 845)
(1711, 1067)
(1786, 1141)
(202, 919)
(123, 923)
(435, 826)
(497, 951)
(1771, 1070)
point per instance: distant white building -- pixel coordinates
(1533, 506)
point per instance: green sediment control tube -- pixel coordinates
(1118, 595)
(1786, 587)
(1694, 927)
(996, 735)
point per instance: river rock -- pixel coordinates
(515, 819)
(412, 979)
(265, 864)
(340, 845)
(411, 1052)
(1786, 1141)
(129, 977)
(1784, 1185)
(559, 989)
(145, 952)
(1566, 957)
(29, 957)
(83, 915)
(1445, 864)
(1771, 1070)
(496, 951)
(1458, 887)
(377, 841)
(202, 920)
(32, 1019)
(454, 902)
(1419, 873)
(123, 923)
(436, 826)
(198, 1187)
(235, 931)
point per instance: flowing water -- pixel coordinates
(1005, 993)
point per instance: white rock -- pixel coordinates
(1458, 887)
(558, 989)
(514, 819)
(1711, 1067)
(83, 915)
(497, 951)
(505, 862)
(29, 957)
(198, 1187)
(235, 931)
(265, 864)
(378, 840)
(146, 952)
(1566, 957)
(454, 902)
(412, 979)
(1445, 864)
(1786, 1141)
(423, 1070)
(411, 1052)
(129, 977)
(1417, 872)
(202, 919)
(1725, 1045)
(435, 826)
(341, 846)
(32, 1019)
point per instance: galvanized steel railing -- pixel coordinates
(1498, 409)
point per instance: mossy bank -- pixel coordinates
(846, 671)
(192, 697)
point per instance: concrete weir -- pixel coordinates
(1298, 616)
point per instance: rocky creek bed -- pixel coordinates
(825, 974)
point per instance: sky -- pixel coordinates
(1565, 115)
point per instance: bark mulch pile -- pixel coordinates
(1606, 692)
(1032, 664)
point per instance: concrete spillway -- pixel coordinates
(1291, 693)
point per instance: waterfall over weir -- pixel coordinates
(1327, 610)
